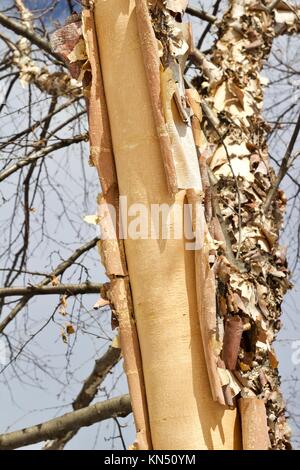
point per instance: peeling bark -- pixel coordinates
(228, 294)
(167, 321)
(242, 180)
(81, 49)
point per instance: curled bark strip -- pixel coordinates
(179, 130)
(112, 249)
(194, 101)
(232, 341)
(254, 424)
(207, 318)
(152, 69)
(120, 298)
(100, 135)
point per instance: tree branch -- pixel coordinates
(70, 289)
(61, 268)
(33, 127)
(91, 385)
(201, 14)
(113, 408)
(33, 157)
(20, 30)
(285, 165)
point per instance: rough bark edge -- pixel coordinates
(207, 318)
(111, 250)
(120, 296)
(254, 424)
(88, 391)
(152, 69)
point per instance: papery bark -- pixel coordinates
(182, 412)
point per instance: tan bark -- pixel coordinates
(254, 424)
(162, 273)
(112, 248)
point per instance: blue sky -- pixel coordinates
(60, 11)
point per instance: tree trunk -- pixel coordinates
(162, 272)
(197, 332)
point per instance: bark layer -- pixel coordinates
(162, 273)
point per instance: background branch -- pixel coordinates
(102, 368)
(113, 408)
(56, 272)
(69, 289)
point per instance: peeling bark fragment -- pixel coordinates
(120, 298)
(207, 319)
(232, 341)
(152, 68)
(254, 424)
(68, 43)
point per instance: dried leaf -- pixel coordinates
(101, 303)
(63, 305)
(70, 329)
(64, 337)
(273, 359)
(240, 167)
(79, 52)
(233, 150)
(54, 281)
(91, 219)
(116, 342)
(177, 6)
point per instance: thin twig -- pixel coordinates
(34, 156)
(61, 268)
(285, 165)
(201, 14)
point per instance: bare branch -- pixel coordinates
(33, 157)
(285, 165)
(113, 408)
(34, 38)
(56, 272)
(69, 289)
(201, 14)
(37, 124)
(88, 392)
